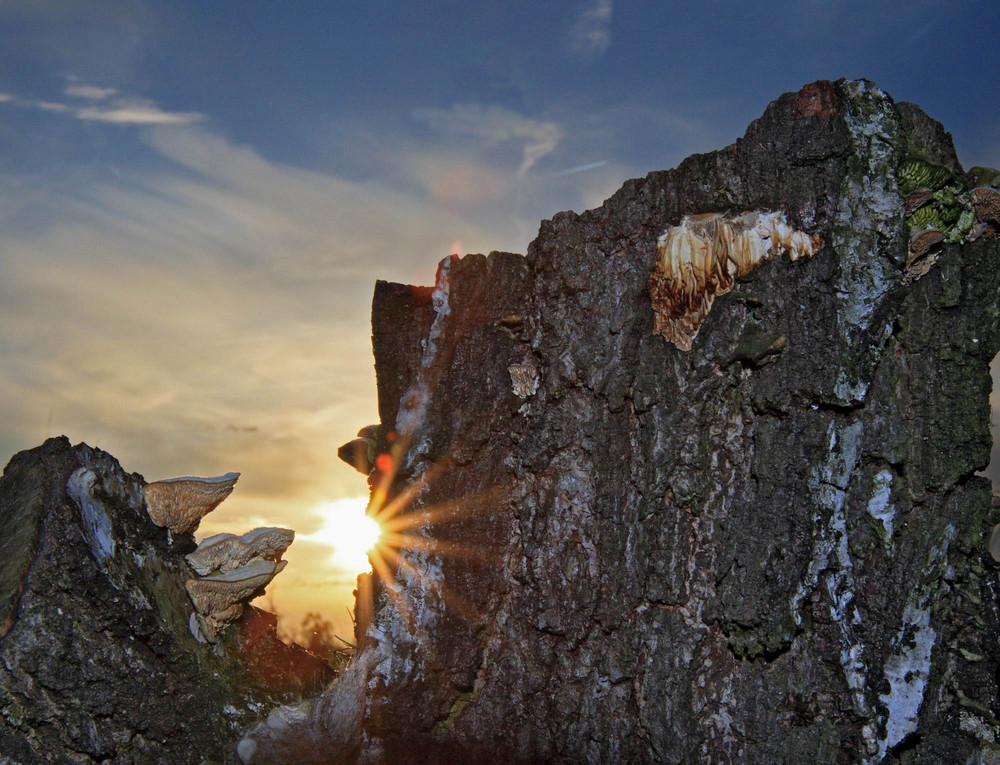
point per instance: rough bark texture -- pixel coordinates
(643, 554)
(692, 556)
(97, 663)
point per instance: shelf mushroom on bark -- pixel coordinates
(231, 570)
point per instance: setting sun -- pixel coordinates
(349, 531)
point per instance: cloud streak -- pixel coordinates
(47, 106)
(136, 112)
(590, 36)
(119, 111)
(578, 169)
(495, 125)
(90, 92)
(151, 313)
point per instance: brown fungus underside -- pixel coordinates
(701, 258)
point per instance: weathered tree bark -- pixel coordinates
(97, 663)
(768, 548)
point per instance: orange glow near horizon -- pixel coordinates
(374, 535)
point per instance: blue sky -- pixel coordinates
(196, 198)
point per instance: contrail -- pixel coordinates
(579, 169)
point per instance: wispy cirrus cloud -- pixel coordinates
(90, 92)
(162, 308)
(212, 314)
(46, 106)
(590, 35)
(132, 111)
(494, 125)
(119, 111)
(578, 169)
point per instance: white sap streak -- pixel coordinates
(828, 486)
(907, 672)
(398, 649)
(869, 212)
(907, 669)
(413, 405)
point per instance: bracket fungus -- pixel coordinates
(986, 204)
(232, 569)
(220, 599)
(700, 259)
(362, 453)
(359, 453)
(925, 246)
(180, 503)
(228, 552)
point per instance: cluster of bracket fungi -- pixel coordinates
(231, 570)
(701, 258)
(944, 208)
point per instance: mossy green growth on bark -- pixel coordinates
(461, 702)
